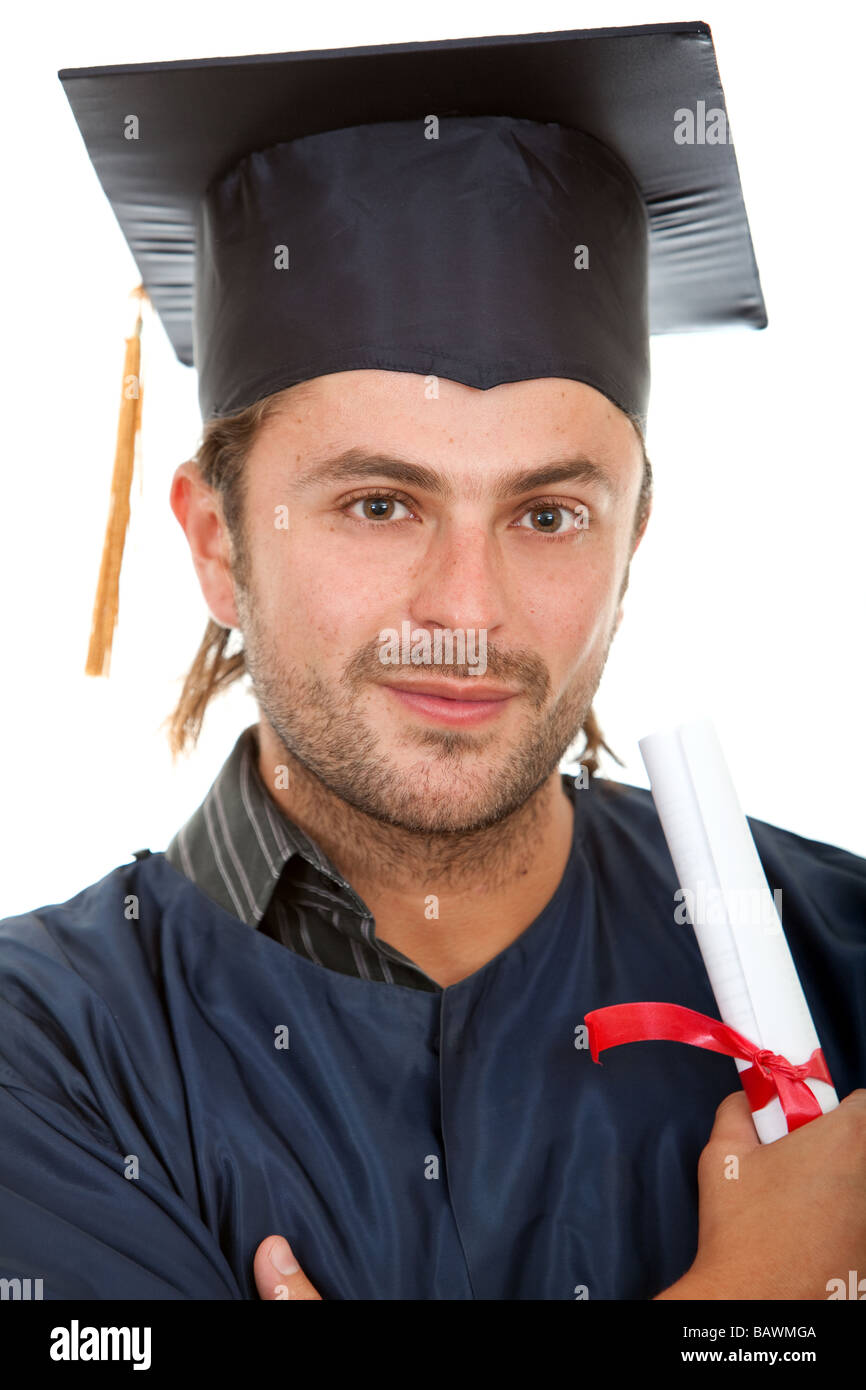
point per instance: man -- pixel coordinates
(345, 1006)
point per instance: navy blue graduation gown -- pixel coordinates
(410, 1145)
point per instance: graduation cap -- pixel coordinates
(486, 210)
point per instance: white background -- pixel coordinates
(746, 597)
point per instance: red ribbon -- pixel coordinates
(769, 1075)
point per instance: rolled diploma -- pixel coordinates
(751, 971)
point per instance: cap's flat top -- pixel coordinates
(197, 118)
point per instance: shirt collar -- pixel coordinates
(236, 845)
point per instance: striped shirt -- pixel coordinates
(241, 849)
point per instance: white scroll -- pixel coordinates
(725, 895)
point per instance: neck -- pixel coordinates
(450, 902)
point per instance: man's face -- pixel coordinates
(435, 523)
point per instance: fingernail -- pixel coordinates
(282, 1259)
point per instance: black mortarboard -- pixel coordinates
(485, 209)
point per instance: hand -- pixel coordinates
(793, 1219)
(277, 1273)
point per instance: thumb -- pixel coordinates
(278, 1275)
(734, 1125)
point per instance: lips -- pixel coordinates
(452, 702)
(454, 690)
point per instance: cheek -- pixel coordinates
(316, 598)
(569, 616)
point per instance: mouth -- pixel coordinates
(453, 702)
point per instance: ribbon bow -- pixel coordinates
(769, 1075)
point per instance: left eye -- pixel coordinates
(552, 519)
(379, 508)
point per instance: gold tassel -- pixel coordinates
(105, 606)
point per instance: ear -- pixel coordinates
(198, 510)
(642, 532)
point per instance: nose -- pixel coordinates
(460, 582)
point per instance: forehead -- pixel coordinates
(443, 425)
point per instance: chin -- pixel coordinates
(429, 798)
(447, 819)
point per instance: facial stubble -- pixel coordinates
(461, 781)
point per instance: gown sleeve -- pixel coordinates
(77, 1116)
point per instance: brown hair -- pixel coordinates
(220, 459)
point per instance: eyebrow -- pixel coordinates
(358, 464)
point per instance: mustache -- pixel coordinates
(522, 668)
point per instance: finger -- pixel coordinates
(734, 1124)
(278, 1275)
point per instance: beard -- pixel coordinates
(446, 782)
